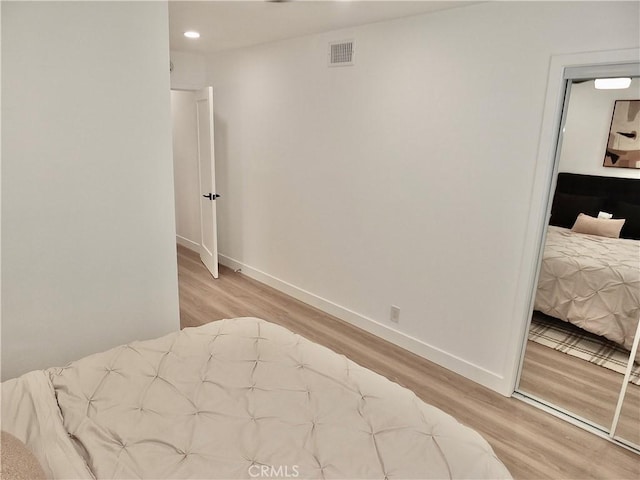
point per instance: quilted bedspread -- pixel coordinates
(245, 398)
(592, 282)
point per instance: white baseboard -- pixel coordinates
(451, 362)
(190, 244)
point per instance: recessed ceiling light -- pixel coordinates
(191, 34)
(612, 83)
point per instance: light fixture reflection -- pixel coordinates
(191, 34)
(612, 83)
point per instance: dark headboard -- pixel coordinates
(590, 194)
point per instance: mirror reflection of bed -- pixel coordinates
(587, 306)
(587, 303)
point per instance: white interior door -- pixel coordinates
(206, 168)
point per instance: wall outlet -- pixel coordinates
(395, 314)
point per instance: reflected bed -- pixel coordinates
(588, 278)
(592, 282)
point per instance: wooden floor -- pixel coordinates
(531, 443)
(589, 391)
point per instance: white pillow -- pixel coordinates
(602, 227)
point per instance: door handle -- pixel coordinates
(211, 196)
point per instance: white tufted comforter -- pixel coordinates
(239, 398)
(592, 282)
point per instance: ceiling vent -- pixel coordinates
(341, 53)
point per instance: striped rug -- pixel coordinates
(567, 338)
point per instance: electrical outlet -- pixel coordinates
(395, 314)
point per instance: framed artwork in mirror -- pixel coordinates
(623, 145)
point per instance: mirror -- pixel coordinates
(628, 427)
(587, 301)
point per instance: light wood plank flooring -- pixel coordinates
(587, 390)
(531, 443)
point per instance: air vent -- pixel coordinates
(341, 53)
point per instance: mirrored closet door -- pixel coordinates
(586, 305)
(627, 425)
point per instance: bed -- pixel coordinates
(593, 281)
(238, 398)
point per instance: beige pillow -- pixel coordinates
(16, 460)
(602, 227)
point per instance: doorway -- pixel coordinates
(185, 168)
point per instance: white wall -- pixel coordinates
(185, 168)
(587, 130)
(189, 71)
(405, 179)
(88, 236)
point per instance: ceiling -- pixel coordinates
(224, 25)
